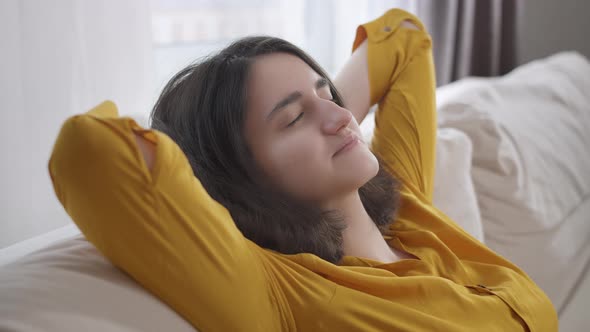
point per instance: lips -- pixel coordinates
(348, 142)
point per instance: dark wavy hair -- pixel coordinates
(203, 108)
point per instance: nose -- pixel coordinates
(335, 118)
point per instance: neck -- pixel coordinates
(362, 238)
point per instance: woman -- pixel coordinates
(291, 223)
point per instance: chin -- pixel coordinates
(365, 167)
(372, 166)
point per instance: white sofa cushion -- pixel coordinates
(454, 193)
(70, 286)
(530, 132)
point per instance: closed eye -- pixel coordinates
(296, 119)
(301, 114)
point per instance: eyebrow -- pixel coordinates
(293, 97)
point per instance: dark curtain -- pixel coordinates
(471, 37)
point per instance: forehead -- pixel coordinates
(274, 76)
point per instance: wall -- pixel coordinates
(549, 26)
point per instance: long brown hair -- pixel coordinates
(202, 108)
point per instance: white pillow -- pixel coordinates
(70, 286)
(531, 164)
(454, 193)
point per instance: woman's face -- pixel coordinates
(296, 133)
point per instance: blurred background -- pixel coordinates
(62, 57)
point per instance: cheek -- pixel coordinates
(296, 160)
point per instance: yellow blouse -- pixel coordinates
(161, 227)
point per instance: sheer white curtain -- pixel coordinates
(185, 30)
(60, 58)
(330, 26)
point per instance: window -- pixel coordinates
(186, 30)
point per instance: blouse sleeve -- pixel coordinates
(402, 81)
(159, 225)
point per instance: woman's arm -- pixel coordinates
(397, 60)
(132, 192)
(147, 149)
(353, 80)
